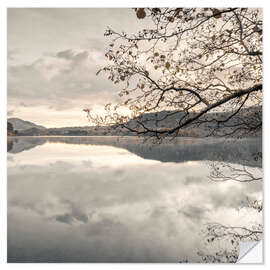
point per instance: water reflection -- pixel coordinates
(90, 200)
(179, 150)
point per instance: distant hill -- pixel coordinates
(169, 119)
(150, 119)
(19, 124)
(10, 130)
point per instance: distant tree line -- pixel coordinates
(10, 130)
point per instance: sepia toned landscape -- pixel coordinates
(135, 138)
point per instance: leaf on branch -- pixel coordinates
(107, 106)
(141, 13)
(216, 13)
(156, 10)
(127, 101)
(256, 29)
(98, 72)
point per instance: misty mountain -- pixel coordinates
(169, 119)
(151, 120)
(19, 124)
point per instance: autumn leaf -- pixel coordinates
(256, 29)
(127, 101)
(156, 10)
(141, 13)
(216, 13)
(98, 72)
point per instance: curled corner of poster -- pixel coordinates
(251, 252)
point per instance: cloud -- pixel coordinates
(12, 53)
(10, 112)
(195, 213)
(66, 218)
(65, 54)
(64, 81)
(75, 214)
(53, 59)
(117, 187)
(142, 210)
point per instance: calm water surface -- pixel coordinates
(110, 199)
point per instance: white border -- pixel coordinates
(121, 3)
(132, 3)
(3, 138)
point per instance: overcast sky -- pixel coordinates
(53, 57)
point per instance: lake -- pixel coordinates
(120, 199)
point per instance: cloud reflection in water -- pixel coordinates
(100, 203)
